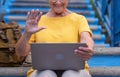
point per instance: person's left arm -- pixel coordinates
(85, 52)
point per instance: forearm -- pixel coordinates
(86, 38)
(23, 47)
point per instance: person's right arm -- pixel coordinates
(23, 47)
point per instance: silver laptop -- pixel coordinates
(56, 56)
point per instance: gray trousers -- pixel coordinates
(68, 73)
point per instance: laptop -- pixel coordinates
(56, 56)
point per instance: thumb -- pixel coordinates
(40, 28)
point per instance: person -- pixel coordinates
(58, 25)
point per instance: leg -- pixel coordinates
(72, 73)
(46, 73)
(84, 73)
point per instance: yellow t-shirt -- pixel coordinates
(61, 29)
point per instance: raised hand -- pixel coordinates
(33, 17)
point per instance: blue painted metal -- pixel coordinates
(4, 4)
(116, 22)
(109, 11)
(91, 17)
(102, 7)
(1, 6)
(105, 60)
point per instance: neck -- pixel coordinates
(53, 14)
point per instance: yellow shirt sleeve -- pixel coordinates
(84, 27)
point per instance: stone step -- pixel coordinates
(102, 45)
(24, 12)
(23, 5)
(92, 27)
(99, 52)
(98, 38)
(105, 57)
(45, 1)
(115, 51)
(8, 18)
(94, 70)
(47, 8)
(95, 29)
(104, 71)
(18, 9)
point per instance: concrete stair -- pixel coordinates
(17, 10)
(104, 63)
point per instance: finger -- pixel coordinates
(32, 14)
(36, 13)
(28, 15)
(82, 56)
(87, 50)
(39, 16)
(85, 57)
(82, 53)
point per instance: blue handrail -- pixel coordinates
(104, 9)
(109, 12)
(3, 7)
(2, 3)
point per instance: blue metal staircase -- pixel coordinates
(109, 13)
(17, 10)
(104, 63)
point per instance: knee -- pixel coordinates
(70, 73)
(84, 73)
(47, 73)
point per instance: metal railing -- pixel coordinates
(2, 3)
(3, 7)
(109, 13)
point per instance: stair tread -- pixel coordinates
(18, 11)
(78, 2)
(95, 36)
(47, 8)
(82, 7)
(94, 71)
(46, 5)
(109, 71)
(23, 18)
(92, 27)
(107, 51)
(95, 27)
